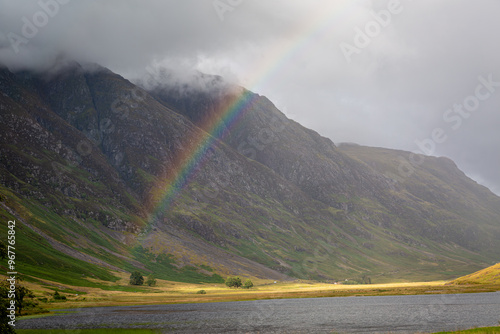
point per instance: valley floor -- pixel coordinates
(167, 292)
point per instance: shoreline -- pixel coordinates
(183, 293)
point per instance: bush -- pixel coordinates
(4, 303)
(366, 279)
(151, 281)
(3, 251)
(233, 282)
(136, 278)
(201, 292)
(248, 284)
(24, 298)
(58, 296)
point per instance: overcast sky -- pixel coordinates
(378, 73)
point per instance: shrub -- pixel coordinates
(233, 282)
(248, 284)
(351, 282)
(3, 250)
(58, 296)
(151, 281)
(366, 279)
(24, 297)
(201, 292)
(136, 278)
(4, 303)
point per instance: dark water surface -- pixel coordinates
(395, 314)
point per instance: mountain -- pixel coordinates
(490, 275)
(203, 179)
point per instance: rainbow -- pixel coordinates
(193, 153)
(191, 157)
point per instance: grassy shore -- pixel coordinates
(167, 292)
(187, 293)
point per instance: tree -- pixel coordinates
(151, 281)
(4, 301)
(23, 297)
(136, 278)
(58, 296)
(248, 284)
(23, 292)
(233, 282)
(3, 251)
(366, 279)
(4, 304)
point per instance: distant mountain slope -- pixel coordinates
(364, 195)
(490, 275)
(455, 208)
(87, 159)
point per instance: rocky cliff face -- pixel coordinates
(86, 156)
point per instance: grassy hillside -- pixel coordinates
(490, 275)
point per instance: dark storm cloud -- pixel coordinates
(394, 91)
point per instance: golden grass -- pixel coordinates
(490, 275)
(167, 292)
(485, 330)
